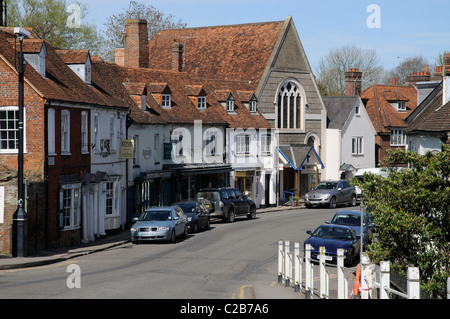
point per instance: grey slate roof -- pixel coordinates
(338, 109)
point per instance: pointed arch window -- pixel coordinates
(289, 106)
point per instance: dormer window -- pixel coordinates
(144, 102)
(401, 106)
(252, 106)
(35, 56)
(230, 105)
(165, 101)
(201, 102)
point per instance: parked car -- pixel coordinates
(197, 215)
(227, 203)
(160, 223)
(331, 194)
(352, 218)
(333, 237)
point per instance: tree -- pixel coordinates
(412, 209)
(404, 69)
(115, 25)
(331, 77)
(51, 20)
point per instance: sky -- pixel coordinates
(396, 29)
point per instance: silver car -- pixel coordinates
(160, 223)
(331, 194)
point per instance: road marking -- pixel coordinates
(242, 292)
(60, 264)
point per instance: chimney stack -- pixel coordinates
(353, 82)
(136, 44)
(177, 56)
(446, 79)
(423, 76)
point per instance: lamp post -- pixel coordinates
(20, 217)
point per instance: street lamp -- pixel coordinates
(20, 217)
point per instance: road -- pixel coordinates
(237, 260)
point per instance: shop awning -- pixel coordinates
(299, 156)
(200, 169)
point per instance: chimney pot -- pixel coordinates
(394, 81)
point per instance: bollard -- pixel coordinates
(364, 276)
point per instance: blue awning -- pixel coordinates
(300, 156)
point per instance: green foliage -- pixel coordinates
(412, 208)
(49, 19)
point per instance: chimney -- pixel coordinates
(446, 79)
(353, 82)
(119, 56)
(423, 76)
(177, 56)
(136, 53)
(394, 81)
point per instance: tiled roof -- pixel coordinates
(60, 82)
(383, 115)
(433, 116)
(339, 109)
(73, 56)
(232, 52)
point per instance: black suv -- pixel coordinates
(227, 203)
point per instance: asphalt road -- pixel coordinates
(229, 261)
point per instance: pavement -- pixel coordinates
(57, 255)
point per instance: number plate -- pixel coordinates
(326, 257)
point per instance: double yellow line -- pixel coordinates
(242, 290)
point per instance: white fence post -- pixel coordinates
(385, 279)
(322, 273)
(308, 273)
(448, 288)
(280, 261)
(364, 276)
(413, 285)
(340, 274)
(297, 267)
(286, 263)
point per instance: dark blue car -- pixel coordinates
(352, 218)
(197, 215)
(333, 237)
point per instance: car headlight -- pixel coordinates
(189, 219)
(306, 195)
(326, 196)
(163, 228)
(134, 229)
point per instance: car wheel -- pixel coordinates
(252, 212)
(195, 230)
(185, 235)
(333, 202)
(172, 236)
(231, 215)
(353, 201)
(208, 225)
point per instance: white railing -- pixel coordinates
(369, 276)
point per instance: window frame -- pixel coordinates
(243, 146)
(398, 134)
(201, 102)
(65, 132)
(357, 145)
(15, 150)
(71, 211)
(84, 132)
(166, 101)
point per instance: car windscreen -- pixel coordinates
(155, 215)
(187, 207)
(333, 232)
(326, 185)
(346, 219)
(211, 196)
